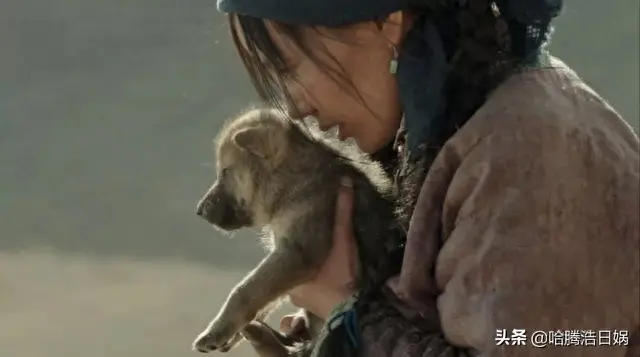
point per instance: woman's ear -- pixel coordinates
(396, 26)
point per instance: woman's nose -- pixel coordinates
(295, 111)
(297, 105)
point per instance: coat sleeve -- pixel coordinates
(542, 243)
(540, 248)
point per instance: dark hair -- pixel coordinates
(483, 49)
(268, 75)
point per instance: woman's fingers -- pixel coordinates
(292, 324)
(344, 208)
(344, 250)
(286, 323)
(326, 290)
(264, 340)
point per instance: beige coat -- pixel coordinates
(538, 198)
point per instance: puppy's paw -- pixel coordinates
(216, 338)
(235, 340)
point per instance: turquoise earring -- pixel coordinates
(393, 64)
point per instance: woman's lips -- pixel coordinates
(342, 133)
(326, 127)
(339, 129)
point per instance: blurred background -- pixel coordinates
(107, 111)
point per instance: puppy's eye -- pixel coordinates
(223, 172)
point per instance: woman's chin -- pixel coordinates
(371, 145)
(364, 145)
(342, 134)
(366, 142)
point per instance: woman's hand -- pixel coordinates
(333, 283)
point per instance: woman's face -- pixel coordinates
(343, 79)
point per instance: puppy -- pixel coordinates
(277, 175)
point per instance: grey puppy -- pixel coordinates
(276, 174)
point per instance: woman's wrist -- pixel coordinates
(333, 301)
(322, 301)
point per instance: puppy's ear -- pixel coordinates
(253, 140)
(264, 141)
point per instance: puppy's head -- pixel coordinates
(249, 149)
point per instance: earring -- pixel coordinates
(393, 64)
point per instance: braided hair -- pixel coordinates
(483, 47)
(486, 46)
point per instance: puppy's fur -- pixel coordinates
(274, 174)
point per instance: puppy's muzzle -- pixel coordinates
(213, 209)
(222, 213)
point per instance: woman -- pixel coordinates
(518, 183)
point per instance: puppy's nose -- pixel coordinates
(201, 207)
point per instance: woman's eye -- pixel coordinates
(284, 72)
(287, 70)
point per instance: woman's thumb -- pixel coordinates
(344, 207)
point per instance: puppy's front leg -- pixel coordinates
(260, 317)
(278, 273)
